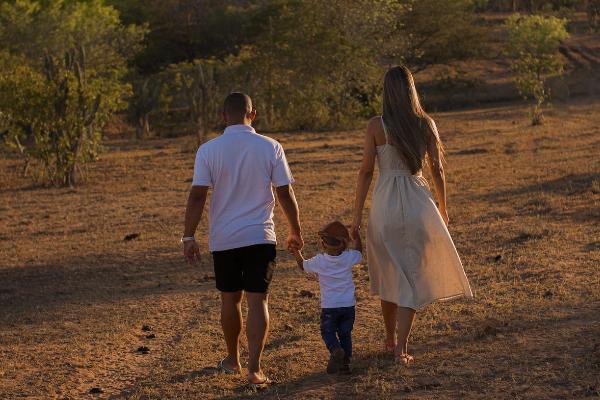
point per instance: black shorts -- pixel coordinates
(246, 268)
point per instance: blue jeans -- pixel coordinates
(336, 328)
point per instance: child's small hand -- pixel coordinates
(293, 249)
(298, 256)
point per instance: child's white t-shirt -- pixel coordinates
(335, 277)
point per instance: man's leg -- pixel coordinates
(258, 267)
(257, 330)
(231, 322)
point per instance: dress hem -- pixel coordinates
(422, 306)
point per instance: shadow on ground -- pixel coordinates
(30, 293)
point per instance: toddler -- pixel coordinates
(334, 270)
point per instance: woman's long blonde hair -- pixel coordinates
(408, 126)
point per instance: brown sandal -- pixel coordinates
(261, 385)
(404, 358)
(228, 371)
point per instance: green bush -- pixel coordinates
(319, 65)
(61, 79)
(147, 96)
(533, 43)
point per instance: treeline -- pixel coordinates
(67, 66)
(534, 5)
(309, 64)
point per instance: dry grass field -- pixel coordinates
(524, 213)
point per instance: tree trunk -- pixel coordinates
(142, 129)
(72, 177)
(198, 131)
(139, 128)
(538, 116)
(205, 114)
(146, 128)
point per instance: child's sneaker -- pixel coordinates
(347, 365)
(336, 361)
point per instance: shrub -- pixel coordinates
(533, 43)
(61, 79)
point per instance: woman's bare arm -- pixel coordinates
(436, 164)
(365, 174)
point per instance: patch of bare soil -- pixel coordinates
(97, 302)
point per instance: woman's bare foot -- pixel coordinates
(258, 378)
(389, 345)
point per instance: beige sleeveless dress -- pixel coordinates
(412, 259)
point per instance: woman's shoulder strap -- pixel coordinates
(385, 132)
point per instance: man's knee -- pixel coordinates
(231, 298)
(257, 299)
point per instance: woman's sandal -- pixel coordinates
(404, 358)
(226, 370)
(261, 385)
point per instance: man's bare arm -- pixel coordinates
(287, 199)
(193, 215)
(194, 209)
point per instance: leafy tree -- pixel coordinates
(316, 65)
(533, 43)
(61, 79)
(529, 5)
(147, 97)
(432, 32)
(201, 86)
(319, 64)
(186, 30)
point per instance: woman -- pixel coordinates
(412, 259)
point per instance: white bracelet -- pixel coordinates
(187, 239)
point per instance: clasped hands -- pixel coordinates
(294, 243)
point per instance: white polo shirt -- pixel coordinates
(241, 166)
(335, 277)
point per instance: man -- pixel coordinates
(241, 166)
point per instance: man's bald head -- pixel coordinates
(237, 108)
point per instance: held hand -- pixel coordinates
(191, 251)
(295, 252)
(295, 242)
